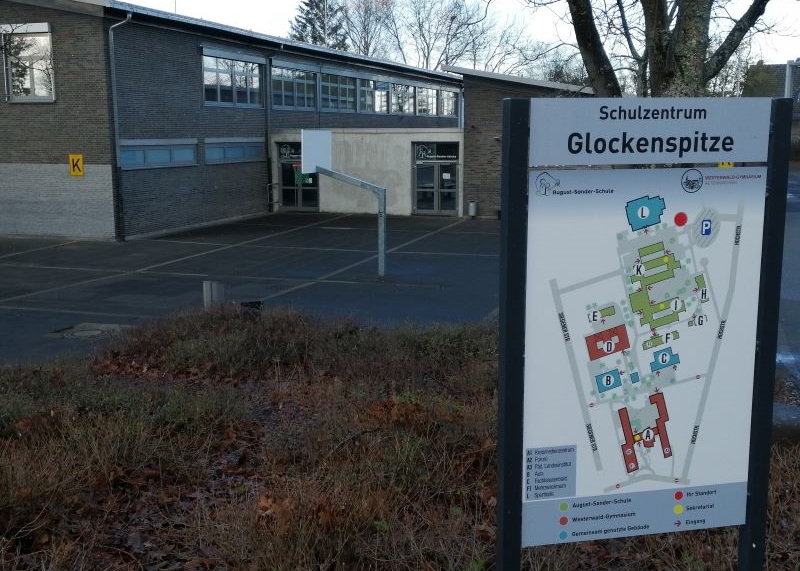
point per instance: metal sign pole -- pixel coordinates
(514, 235)
(752, 535)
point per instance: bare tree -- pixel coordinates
(729, 82)
(504, 48)
(668, 47)
(431, 33)
(366, 25)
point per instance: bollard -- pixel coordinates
(213, 293)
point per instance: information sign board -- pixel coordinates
(641, 312)
(613, 131)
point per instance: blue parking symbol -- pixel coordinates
(705, 227)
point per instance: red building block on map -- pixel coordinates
(607, 342)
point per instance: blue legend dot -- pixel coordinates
(563, 535)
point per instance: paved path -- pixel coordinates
(60, 296)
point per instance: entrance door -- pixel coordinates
(298, 191)
(436, 188)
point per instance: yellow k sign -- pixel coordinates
(76, 165)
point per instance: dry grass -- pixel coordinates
(275, 442)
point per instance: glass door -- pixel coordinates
(436, 190)
(298, 191)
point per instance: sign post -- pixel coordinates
(642, 263)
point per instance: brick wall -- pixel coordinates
(160, 92)
(79, 120)
(171, 198)
(37, 195)
(483, 126)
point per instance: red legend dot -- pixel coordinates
(678, 496)
(563, 521)
(681, 219)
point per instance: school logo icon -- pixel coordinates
(692, 180)
(545, 183)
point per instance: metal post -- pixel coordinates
(380, 194)
(513, 265)
(753, 534)
(381, 232)
(213, 293)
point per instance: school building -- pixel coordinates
(118, 121)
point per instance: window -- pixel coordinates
(449, 103)
(426, 101)
(373, 96)
(338, 92)
(27, 62)
(402, 98)
(294, 88)
(234, 151)
(157, 153)
(231, 82)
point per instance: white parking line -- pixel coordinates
(154, 266)
(327, 276)
(50, 247)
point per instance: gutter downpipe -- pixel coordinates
(119, 229)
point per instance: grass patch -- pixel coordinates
(229, 440)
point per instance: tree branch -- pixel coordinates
(722, 54)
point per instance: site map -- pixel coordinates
(642, 294)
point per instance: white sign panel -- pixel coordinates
(315, 149)
(641, 311)
(622, 131)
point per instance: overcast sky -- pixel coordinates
(273, 16)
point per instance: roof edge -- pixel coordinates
(301, 47)
(518, 79)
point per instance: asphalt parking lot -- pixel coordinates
(63, 296)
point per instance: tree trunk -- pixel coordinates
(686, 52)
(601, 73)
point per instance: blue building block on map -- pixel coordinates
(608, 381)
(634, 377)
(663, 359)
(644, 212)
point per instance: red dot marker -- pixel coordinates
(563, 521)
(678, 496)
(681, 219)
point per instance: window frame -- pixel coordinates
(240, 66)
(344, 92)
(39, 30)
(431, 96)
(229, 143)
(455, 103)
(375, 93)
(297, 78)
(145, 145)
(374, 87)
(405, 93)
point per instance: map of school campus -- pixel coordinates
(643, 340)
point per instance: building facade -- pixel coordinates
(118, 121)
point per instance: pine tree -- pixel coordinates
(320, 22)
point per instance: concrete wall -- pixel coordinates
(45, 200)
(382, 157)
(37, 195)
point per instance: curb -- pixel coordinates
(785, 423)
